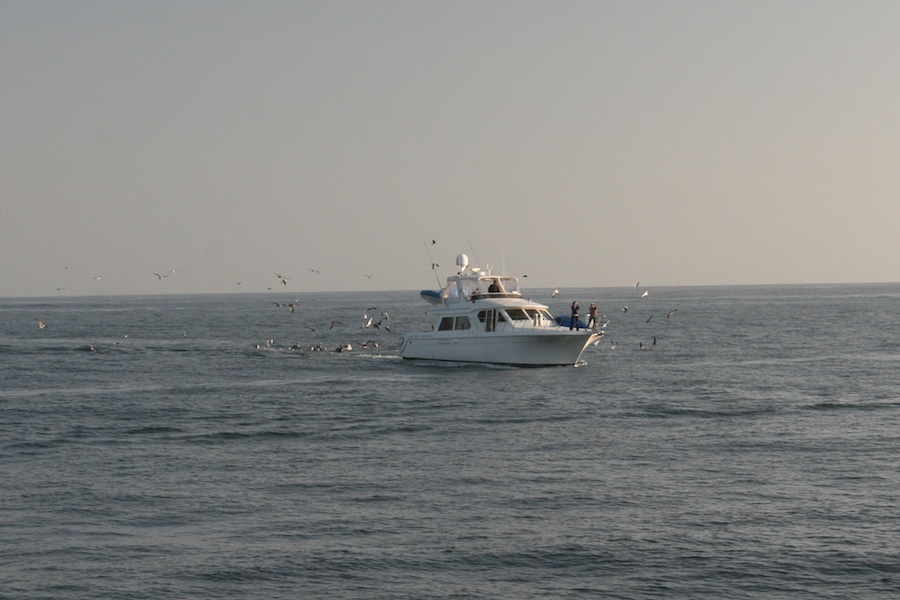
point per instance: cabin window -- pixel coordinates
(484, 315)
(517, 314)
(490, 318)
(451, 323)
(538, 316)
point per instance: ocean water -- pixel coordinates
(155, 447)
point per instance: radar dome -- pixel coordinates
(462, 261)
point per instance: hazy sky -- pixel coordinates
(586, 143)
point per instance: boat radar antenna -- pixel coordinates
(462, 261)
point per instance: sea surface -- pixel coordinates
(158, 447)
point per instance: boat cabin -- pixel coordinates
(498, 319)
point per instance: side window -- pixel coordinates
(462, 323)
(446, 324)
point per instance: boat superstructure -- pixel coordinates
(481, 317)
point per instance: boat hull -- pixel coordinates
(532, 349)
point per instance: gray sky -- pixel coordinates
(586, 143)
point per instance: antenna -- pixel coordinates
(433, 264)
(473, 252)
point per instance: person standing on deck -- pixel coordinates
(573, 323)
(592, 318)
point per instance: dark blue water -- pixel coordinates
(753, 451)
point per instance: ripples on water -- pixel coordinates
(750, 453)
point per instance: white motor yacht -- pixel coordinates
(483, 318)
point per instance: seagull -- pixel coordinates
(648, 319)
(625, 309)
(367, 275)
(158, 276)
(290, 306)
(335, 322)
(637, 285)
(554, 293)
(41, 324)
(645, 294)
(671, 312)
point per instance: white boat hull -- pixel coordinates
(543, 348)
